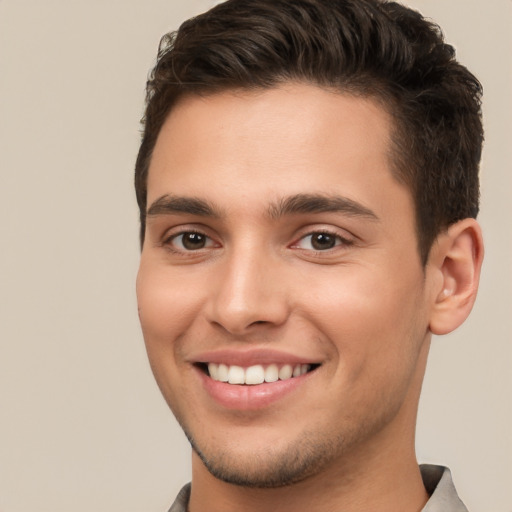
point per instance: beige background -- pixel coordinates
(82, 424)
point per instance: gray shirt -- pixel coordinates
(437, 480)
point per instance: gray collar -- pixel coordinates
(439, 485)
(436, 479)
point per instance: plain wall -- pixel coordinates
(82, 425)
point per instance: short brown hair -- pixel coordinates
(370, 48)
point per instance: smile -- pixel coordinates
(256, 374)
(254, 379)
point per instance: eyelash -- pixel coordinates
(338, 239)
(168, 241)
(209, 242)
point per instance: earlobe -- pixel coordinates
(457, 258)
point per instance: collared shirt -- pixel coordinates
(436, 479)
(439, 485)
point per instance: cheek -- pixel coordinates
(166, 306)
(373, 322)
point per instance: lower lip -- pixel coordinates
(250, 397)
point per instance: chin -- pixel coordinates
(272, 467)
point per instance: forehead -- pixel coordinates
(287, 140)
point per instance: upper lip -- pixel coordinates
(246, 358)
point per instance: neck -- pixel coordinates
(389, 484)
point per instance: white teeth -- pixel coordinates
(286, 372)
(222, 373)
(236, 375)
(213, 370)
(272, 373)
(256, 374)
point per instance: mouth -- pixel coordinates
(255, 374)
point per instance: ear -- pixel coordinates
(456, 259)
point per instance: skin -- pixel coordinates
(363, 309)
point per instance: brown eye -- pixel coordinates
(191, 241)
(322, 241)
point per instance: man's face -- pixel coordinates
(279, 243)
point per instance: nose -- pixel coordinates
(248, 290)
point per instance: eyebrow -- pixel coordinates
(319, 203)
(169, 204)
(292, 205)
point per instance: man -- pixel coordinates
(308, 187)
